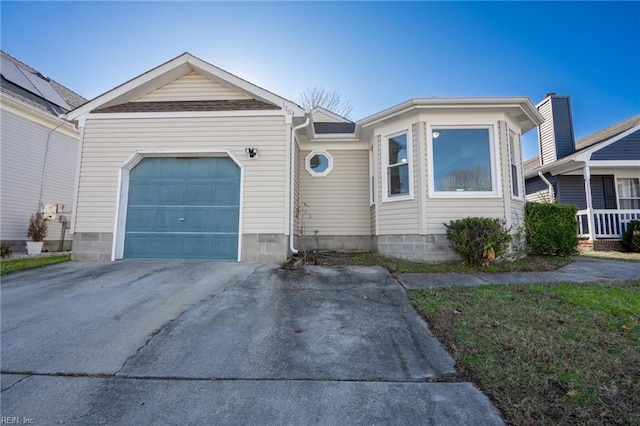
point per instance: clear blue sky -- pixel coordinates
(375, 54)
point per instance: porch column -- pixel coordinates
(587, 192)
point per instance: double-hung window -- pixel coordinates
(514, 161)
(398, 164)
(629, 193)
(462, 162)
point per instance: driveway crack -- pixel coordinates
(26, 376)
(172, 321)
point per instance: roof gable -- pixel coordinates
(193, 87)
(323, 115)
(158, 80)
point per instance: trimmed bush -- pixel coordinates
(478, 240)
(631, 237)
(551, 228)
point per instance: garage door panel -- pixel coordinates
(142, 193)
(170, 193)
(200, 193)
(226, 170)
(225, 193)
(225, 219)
(183, 208)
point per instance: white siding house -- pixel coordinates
(189, 161)
(38, 155)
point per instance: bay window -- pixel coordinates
(462, 162)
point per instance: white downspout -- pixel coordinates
(292, 183)
(549, 185)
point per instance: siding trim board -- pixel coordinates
(123, 191)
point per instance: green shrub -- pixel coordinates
(631, 237)
(5, 250)
(551, 228)
(478, 240)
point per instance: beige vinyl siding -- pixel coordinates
(337, 204)
(193, 87)
(22, 159)
(546, 136)
(443, 210)
(401, 217)
(517, 215)
(108, 144)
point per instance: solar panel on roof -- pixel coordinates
(32, 83)
(12, 73)
(48, 92)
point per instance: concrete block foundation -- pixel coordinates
(265, 247)
(433, 248)
(343, 243)
(92, 246)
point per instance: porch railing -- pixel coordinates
(606, 223)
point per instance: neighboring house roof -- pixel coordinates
(32, 87)
(172, 70)
(175, 106)
(531, 166)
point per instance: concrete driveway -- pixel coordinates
(224, 343)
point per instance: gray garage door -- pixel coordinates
(183, 208)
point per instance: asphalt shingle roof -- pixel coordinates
(326, 127)
(177, 106)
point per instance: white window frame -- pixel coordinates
(307, 163)
(515, 159)
(618, 178)
(372, 177)
(495, 165)
(385, 167)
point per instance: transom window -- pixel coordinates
(398, 166)
(629, 193)
(319, 163)
(462, 161)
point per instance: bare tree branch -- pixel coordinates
(322, 97)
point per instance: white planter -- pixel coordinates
(34, 247)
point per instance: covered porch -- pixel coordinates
(604, 224)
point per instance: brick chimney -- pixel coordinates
(555, 134)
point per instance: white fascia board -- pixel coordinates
(555, 168)
(614, 163)
(524, 104)
(38, 116)
(586, 154)
(340, 145)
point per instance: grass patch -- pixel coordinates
(17, 265)
(529, 263)
(545, 354)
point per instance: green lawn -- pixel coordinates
(17, 265)
(545, 354)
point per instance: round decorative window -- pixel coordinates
(319, 163)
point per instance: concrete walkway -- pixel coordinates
(583, 269)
